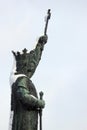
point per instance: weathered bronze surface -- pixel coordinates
(24, 100)
(25, 103)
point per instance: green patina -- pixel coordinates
(24, 100)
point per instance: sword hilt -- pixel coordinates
(41, 95)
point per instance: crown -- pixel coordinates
(20, 56)
(22, 61)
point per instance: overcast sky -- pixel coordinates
(62, 72)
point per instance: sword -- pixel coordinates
(40, 112)
(47, 19)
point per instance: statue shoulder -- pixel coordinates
(22, 81)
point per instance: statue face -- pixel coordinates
(26, 69)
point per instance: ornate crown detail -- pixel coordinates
(19, 56)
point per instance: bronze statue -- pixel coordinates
(25, 103)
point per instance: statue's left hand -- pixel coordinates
(43, 39)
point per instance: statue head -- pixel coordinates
(23, 62)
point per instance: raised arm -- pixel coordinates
(35, 55)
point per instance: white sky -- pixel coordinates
(62, 72)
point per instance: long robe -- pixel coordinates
(24, 105)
